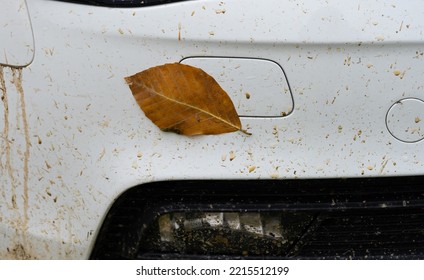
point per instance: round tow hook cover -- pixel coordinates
(405, 120)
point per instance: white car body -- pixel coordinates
(73, 137)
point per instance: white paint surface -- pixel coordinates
(89, 141)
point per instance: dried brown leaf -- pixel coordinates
(184, 99)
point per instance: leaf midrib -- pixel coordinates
(188, 105)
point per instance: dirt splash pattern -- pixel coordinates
(20, 206)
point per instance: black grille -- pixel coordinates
(122, 3)
(364, 234)
(375, 218)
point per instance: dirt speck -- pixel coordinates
(275, 131)
(252, 168)
(102, 154)
(232, 155)
(14, 204)
(48, 166)
(348, 61)
(383, 164)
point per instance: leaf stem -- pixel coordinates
(246, 132)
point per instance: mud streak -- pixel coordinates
(17, 81)
(5, 136)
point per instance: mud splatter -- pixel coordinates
(179, 31)
(18, 253)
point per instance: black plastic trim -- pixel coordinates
(372, 200)
(123, 3)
